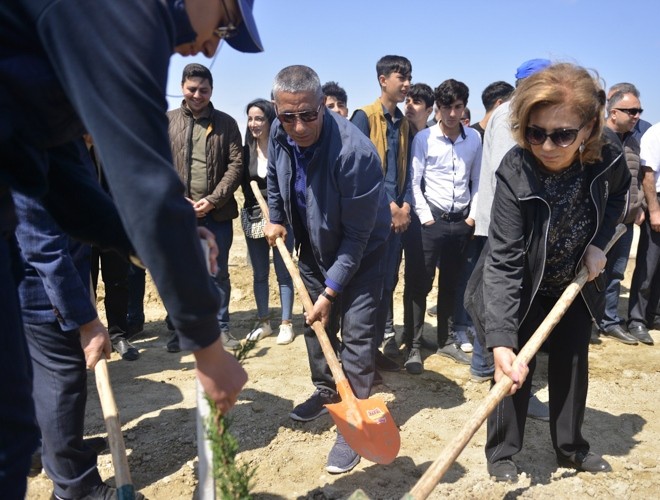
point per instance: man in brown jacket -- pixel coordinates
(208, 156)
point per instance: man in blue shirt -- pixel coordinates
(326, 182)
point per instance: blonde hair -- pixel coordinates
(562, 83)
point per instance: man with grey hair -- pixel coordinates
(326, 182)
(623, 112)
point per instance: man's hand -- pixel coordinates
(208, 238)
(654, 220)
(400, 217)
(95, 342)
(595, 260)
(273, 231)
(640, 216)
(321, 311)
(469, 221)
(202, 207)
(220, 374)
(504, 365)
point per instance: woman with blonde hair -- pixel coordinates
(261, 114)
(559, 195)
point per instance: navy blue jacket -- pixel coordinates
(348, 214)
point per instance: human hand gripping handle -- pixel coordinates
(505, 384)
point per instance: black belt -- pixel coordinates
(449, 216)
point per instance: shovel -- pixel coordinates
(366, 424)
(125, 490)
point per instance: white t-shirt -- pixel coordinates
(650, 152)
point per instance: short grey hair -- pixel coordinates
(295, 79)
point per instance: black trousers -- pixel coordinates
(114, 272)
(645, 285)
(443, 245)
(568, 380)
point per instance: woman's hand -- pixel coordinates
(595, 260)
(505, 365)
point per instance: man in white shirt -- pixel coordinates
(447, 156)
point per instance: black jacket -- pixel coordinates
(511, 266)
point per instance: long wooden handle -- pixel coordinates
(317, 326)
(500, 390)
(123, 480)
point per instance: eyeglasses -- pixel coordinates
(228, 31)
(563, 137)
(631, 111)
(305, 116)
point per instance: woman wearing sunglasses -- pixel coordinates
(559, 195)
(261, 114)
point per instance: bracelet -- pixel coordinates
(330, 298)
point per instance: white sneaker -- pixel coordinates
(260, 331)
(463, 341)
(286, 334)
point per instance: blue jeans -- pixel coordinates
(482, 363)
(19, 434)
(136, 279)
(259, 251)
(392, 262)
(617, 260)
(474, 247)
(224, 237)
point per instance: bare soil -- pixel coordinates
(156, 397)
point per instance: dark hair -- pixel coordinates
(269, 112)
(387, 65)
(332, 89)
(495, 91)
(194, 70)
(450, 91)
(618, 92)
(467, 115)
(566, 84)
(422, 92)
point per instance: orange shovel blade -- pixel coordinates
(368, 427)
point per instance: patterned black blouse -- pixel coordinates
(572, 222)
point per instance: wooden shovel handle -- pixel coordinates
(500, 390)
(113, 425)
(317, 326)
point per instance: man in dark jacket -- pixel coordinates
(63, 64)
(208, 156)
(325, 180)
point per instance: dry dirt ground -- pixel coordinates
(156, 398)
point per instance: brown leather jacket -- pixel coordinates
(224, 157)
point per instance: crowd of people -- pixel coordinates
(502, 212)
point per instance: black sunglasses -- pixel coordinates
(305, 116)
(631, 111)
(563, 137)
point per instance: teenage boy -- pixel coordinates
(336, 98)
(384, 123)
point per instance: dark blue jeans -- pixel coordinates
(474, 247)
(617, 260)
(645, 285)
(60, 395)
(356, 309)
(392, 262)
(19, 434)
(224, 237)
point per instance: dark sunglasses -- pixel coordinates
(563, 137)
(305, 116)
(631, 111)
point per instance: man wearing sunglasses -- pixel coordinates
(623, 113)
(65, 67)
(325, 180)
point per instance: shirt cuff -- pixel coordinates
(335, 286)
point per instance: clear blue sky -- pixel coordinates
(477, 42)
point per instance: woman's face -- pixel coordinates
(554, 118)
(257, 122)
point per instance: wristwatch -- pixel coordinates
(331, 298)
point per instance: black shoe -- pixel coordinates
(432, 311)
(537, 409)
(173, 343)
(656, 323)
(97, 444)
(390, 348)
(378, 379)
(414, 364)
(101, 492)
(617, 332)
(595, 336)
(386, 364)
(641, 333)
(314, 407)
(126, 350)
(585, 461)
(503, 470)
(452, 351)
